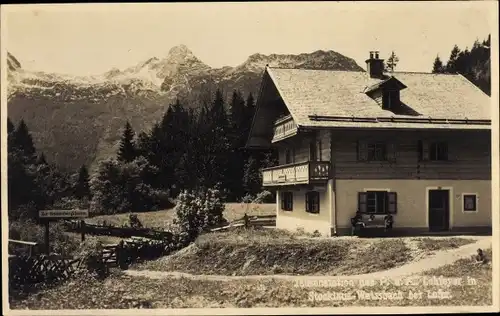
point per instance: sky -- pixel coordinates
(87, 39)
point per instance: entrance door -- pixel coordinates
(439, 210)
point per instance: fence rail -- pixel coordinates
(124, 232)
(42, 268)
(253, 221)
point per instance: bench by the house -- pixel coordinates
(367, 220)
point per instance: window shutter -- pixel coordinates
(445, 149)
(318, 146)
(424, 150)
(283, 200)
(362, 151)
(393, 203)
(362, 196)
(391, 152)
(307, 202)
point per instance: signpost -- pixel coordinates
(48, 215)
(58, 214)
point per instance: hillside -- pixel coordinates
(77, 120)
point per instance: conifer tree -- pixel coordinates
(451, 66)
(392, 62)
(142, 145)
(23, 142)
(82, 186)
(438, 66)
(126, 152)
(252, 181)
(10, 126)
(249, 113)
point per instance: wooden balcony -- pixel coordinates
(283, 128)
(297, 173)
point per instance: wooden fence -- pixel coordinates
(123, 232)
(253, 221)
(41, 268)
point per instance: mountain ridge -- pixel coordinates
(78, 120)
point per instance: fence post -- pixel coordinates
(245, 220)
(121, 256)
(82, 229)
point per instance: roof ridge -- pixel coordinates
(423, 73)
(313, 69)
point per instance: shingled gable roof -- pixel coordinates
(326, 98)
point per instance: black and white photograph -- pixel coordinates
(251, 158)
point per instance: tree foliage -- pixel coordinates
(126, 152)
(185, 150)
(198, 210)
(438, 66)
(33, 183)
(473, 64)
(392, 62)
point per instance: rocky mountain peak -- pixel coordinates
(180, 52)
(12, 62)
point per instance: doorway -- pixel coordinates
(439, 210)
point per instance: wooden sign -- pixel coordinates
(282, 178)
(63, 213)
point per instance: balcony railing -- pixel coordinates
(296, 173)
(283, 128)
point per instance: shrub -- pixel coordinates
(198, 210)
(90, 252)
(121, 187)
(68, 203)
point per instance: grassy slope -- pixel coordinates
(121, 291)
(249, 252)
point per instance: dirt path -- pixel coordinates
(439, 259)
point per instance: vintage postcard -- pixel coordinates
(250, 158)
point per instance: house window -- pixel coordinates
(377, 202)
(438, 151)
(433, 151)
(377, 152)
(287, 201)
(315, 150)
(390, 100)
(312, 202)
(470, 202)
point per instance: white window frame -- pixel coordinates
(377, 190)
(463, 203)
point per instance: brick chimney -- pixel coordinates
(374, 65)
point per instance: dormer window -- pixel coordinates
(386, 93)
(390, 100)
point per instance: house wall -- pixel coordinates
(469, 155)
(298, 217)
(467, 171)
(412, 202)
(300, 143)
